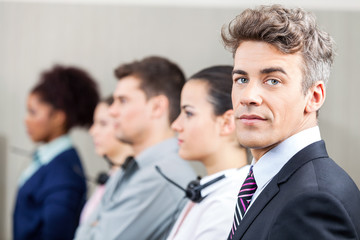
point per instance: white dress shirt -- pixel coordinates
(272, 162)
(213, 216)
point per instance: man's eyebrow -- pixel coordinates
(239, 71)
(263, 71)
(273, 69)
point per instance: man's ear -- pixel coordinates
(316, 97)
(160, 105)
(227, 123)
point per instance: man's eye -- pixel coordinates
(272, 82)
(241, 80)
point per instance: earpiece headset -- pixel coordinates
(193, 189)
(103, 177)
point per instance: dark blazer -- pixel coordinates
(310, 198)
(49, 203)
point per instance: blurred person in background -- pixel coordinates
(138, 203)
(107, 146)
(52, 190)
(206, 133)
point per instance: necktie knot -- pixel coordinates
(251, 173)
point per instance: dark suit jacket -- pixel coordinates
(310, 198)
(49, 203)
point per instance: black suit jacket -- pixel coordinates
(310, 198)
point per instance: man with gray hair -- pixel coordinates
(282, 62)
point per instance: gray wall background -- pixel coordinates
(34, 36)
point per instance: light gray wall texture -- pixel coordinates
(34, 36)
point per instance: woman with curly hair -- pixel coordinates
(52, 190)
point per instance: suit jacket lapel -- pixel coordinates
(309, 153)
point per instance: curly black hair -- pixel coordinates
(71, 90)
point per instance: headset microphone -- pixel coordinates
(193, 190)
(168, 179)
(100, 179)
(103, 177)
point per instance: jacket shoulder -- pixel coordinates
(322, 215)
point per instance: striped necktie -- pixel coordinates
(244, 197)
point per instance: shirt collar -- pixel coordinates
(229, 173)
(49, 151)
(156, 152)
(271, 163)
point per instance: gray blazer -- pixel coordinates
(138, 203)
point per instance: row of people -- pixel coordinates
(206, 133)
(268, 102)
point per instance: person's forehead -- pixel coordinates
(129, 81)
(195, 96)
(127, 86)
(36, 101)
(101, 108)
(254, 49)
(257, 52)
(195, 91)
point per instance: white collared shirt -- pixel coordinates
(213, 216)
(271, 163)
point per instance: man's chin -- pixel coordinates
(254, 144)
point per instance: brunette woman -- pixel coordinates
(206, 133)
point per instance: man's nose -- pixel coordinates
(113, 110)
(251, 94)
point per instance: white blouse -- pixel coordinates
(213, 216)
